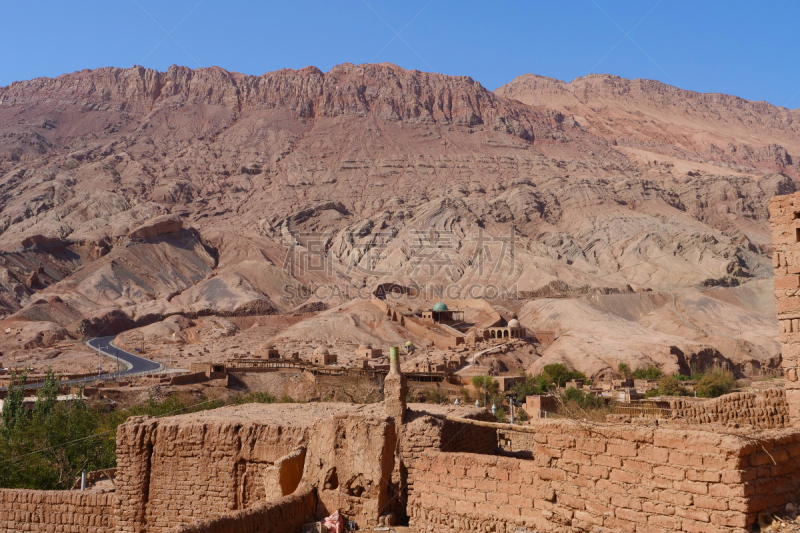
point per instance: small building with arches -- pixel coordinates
(512, 330)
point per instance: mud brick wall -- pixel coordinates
(423, 433)
(518, 443)
(616, 477)
(284, 515)
(784, 214)
(172, 471)
(56, 511)
(765, 409)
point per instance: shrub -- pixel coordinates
(560, 374)
(520, 416)
(436, 396)
(651, 372)
(533, 385)
(581, 399)
(715, 383)
(670, 386)
(624, 370)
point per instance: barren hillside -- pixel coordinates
(608, 186)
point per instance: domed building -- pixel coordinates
(323, 357)
(512, 330)
(366, 351)
(440, 314)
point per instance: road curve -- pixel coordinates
(136, 363)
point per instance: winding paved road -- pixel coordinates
(136, 363)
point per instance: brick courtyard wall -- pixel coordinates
(763, 409)
(423, 433)
(210, 467)
(617, 477)
(57, 511)
(784, 214)
(284, 515)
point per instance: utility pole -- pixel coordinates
(99, 368)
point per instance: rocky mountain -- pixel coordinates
(132, 195)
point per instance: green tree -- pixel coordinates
(651, 372)
(13, 413)
(715, 383)
(581, 399)
(560, 374)
(46, 396)
(486, 386)
(670, 386)
(624, 370)
(530, 386)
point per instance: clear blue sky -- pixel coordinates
(749, 49)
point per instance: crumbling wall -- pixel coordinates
(350, 460)
(57, 511)
(763, 409)
(616, 477)
(784, 221)
(284, 515)
(282, 478)
(209, 466)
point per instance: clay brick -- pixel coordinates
(671, 472)
(787, 282)
(497, 498)
(653, 454)
(624, 477)
(610, 461)
(694, 487)
(690, 526)
(652, 507)
(670, 523)
(619, 525)
(597, 472)
(631, 515)
(552, 473)
(575, 456)
(590, 518)
(685, 459)
(598, 508)
(627, 502)
(703, 475)
(721, 490)
(591, 445)
(715, 504)
(730, 519)
(676, 498)
(520, 501)
(626, 449)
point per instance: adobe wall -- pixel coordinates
(284, 515)
(617, 477)
(57, 511)
(784, 214)
(187, 468)
(763, 409)
(426, 431)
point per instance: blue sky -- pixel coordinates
(748, 49)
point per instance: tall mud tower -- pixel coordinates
(784, 214)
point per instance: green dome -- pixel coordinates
(440, 307)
